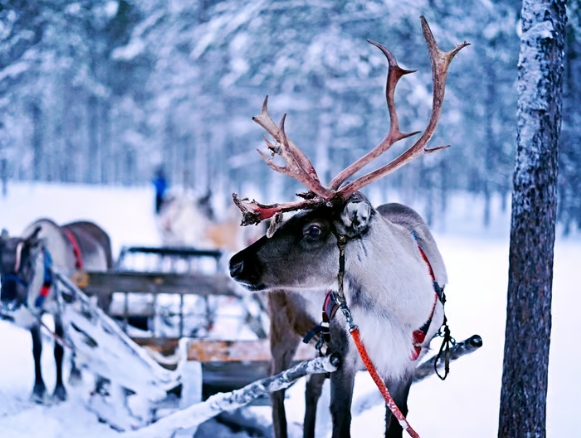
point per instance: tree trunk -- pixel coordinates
(528, 324)
(37, 142)
(492, 148)
(93, 165)
(105, 143)
(4, 176)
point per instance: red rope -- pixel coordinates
(381, 385)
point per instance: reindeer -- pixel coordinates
(27, 275)
(184, 220)
(380, 266)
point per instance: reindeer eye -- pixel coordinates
(314, 231)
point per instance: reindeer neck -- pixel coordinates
(385, 274)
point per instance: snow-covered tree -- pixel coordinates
(105, 91)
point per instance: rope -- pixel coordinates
(354, 330)
(381, 385)
(59, 339)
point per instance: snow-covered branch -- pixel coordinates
(220, 402)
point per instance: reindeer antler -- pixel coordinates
(394, 74)
(300, 168)
(440, 61)
(298, 165)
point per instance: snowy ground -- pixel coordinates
(466, 404)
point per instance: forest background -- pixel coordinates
(105, 92)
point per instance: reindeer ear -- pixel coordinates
(33, 238)
(355, 216)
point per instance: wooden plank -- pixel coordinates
(239, 351)
(219, 351)
(226, 365)
(172, 252)
(179, 251)
(156, 282)
(164, 346)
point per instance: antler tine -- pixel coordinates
(254, 212)
(440, 61)
(297, 165)
(394, 74)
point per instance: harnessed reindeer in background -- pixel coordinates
(185, 220)
(182, 219)
(380, 266)
(27, 274)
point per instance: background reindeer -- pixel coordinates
(26, 272)
(382, 263)
(183, 218)
(186, 220)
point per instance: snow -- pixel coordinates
(466, 404)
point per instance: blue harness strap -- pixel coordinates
(47, 280)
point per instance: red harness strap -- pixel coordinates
(419, 335)
(44, 290)
(76, 249)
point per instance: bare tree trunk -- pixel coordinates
(105, 143)
(4, 176)
(93, 165)
(528, 324)
(492, 148)
(37, 142)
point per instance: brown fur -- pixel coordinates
(289, 323)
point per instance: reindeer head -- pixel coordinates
(303, 252)
(305, 241)
(17, 257)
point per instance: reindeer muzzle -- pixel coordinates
(247, 274)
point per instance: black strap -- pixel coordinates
(440, 292)
(312, 333)
(447, 341)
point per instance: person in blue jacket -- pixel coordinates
(160, 184)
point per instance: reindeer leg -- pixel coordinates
(283, 346)
(342, 382)
(39, 390)
(312, 395)
(282, 355)
(60, 393)
(399, 390)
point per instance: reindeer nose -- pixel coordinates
(236, 267)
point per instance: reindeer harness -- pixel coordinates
(47, 280)
(335, 300)
(76, 249)
(48, 277)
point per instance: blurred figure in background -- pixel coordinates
(161, 185)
